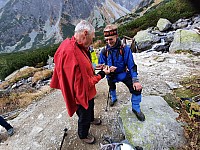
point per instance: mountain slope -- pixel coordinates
(26, 24)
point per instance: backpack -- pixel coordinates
(116, 146)
(123, 145)
(106, 52)
(112, 146)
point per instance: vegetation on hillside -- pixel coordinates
(14, 61)
(173, 10)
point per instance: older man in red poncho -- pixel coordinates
(74, 76)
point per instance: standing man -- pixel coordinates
(122, 69)
(74, 76)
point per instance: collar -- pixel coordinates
(80, 45)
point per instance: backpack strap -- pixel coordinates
(105, 51)
(121, 51)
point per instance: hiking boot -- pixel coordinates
(139, 115)
(10, 131)
(112, 103)
(138, 148)
(96, 121)
(89, 139)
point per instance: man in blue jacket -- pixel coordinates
(122, 67)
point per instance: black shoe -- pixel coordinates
(96, 121)
(139, 115)
(89, 139)
(10, 131)
(138, 148)
(112, 103)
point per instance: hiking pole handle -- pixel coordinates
(65, 134)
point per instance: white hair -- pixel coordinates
(84, 25)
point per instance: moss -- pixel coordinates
(184, 93)
(130, 132)
(171, 100)
(128, 135)
(124, 119)
(183, 51)
(190, 88)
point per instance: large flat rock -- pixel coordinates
(160, 130)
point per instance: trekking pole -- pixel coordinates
(65, 134)
(106, 109)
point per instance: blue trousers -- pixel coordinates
(136, 95)
(3, 123)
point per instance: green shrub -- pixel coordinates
(14, 61)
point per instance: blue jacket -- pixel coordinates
(122, 59)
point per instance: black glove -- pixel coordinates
(102, 74)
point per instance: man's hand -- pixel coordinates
(106, 69)
(137, 86)
(112, 68)
(99, 66)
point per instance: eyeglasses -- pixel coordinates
(108, 39)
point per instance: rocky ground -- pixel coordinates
(41, 124)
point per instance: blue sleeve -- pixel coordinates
(129, 60)
(102, 58)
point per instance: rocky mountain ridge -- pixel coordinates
(32, 24)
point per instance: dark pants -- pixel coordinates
(85, 116)
(3, 123)
(127, 81)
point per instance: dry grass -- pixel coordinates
(41, 75)
(18, 100)
(18, 75)
(23, 96)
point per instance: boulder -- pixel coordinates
(145, 39)
(163, 24)
(185, 40)
(160, 130)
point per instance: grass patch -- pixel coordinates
(188, 109)
(16, 100)
(172, 101)
(191, 86)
